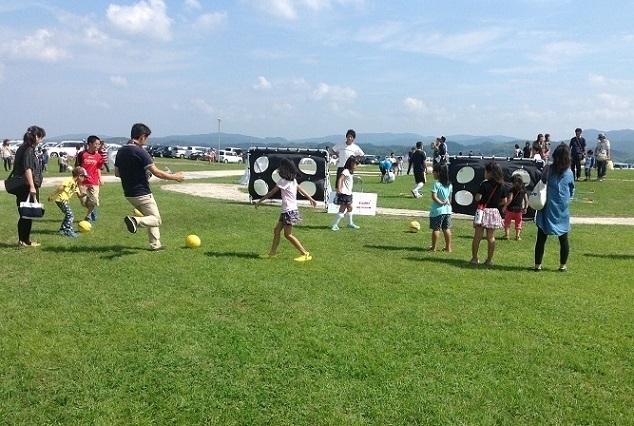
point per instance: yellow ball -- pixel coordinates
(414, 226)
(192, 241)
(84, 226)
(137, 213)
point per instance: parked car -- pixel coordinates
(154, 149)
(620, 166)
(199, 155)
(371, 159)
(13, 145)
(229, 157)
(164, 151)
(179, 151)
(238, 151)
(66, 148)
(194, 150)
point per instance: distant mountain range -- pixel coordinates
(383, 143)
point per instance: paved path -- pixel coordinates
(233, 192)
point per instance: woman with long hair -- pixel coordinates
(554, 218)
(492, 195)
(27, 164)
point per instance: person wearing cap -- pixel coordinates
(91, 160)
(602, 155)
(577, 151)
(63, 194)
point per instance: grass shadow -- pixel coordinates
(618, 256)
(395, 248)
(107, 252)
(241, 255)
(464, 263)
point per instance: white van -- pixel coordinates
(229, 157)
(238, 151)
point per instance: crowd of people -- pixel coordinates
(583, 159)
(501, 203)
(133, 165)
(498, 203)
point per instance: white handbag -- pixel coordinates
(538, 195)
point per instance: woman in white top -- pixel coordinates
(7, 155)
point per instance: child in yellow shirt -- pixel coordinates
(62, 195)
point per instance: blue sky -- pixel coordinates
(308, 68)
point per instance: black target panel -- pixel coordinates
(466, 174)
(312, 164)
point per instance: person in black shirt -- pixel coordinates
(28, 165)
(419, 163)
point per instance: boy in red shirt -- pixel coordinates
(91, 160)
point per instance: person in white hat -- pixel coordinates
(602, 154)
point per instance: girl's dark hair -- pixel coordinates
(32, 133)
(561, 159)
(495, 171)
(350, 161)
(443, 173)
(538, 148)
(288, 170)
(517, 182)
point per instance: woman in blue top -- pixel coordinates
(554, 218)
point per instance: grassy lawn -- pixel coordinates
(375, 330)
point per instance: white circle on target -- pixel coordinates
(465, 174)
(463, 197)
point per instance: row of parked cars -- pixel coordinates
(205, 153)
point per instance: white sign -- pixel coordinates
(363, 203)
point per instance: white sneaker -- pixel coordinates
(335, 228)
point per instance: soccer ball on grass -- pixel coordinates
(192, 241)
(84, 226)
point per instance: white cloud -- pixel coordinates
(192, 4)
(414, 105)
(558, 53)
(284, 9)
(613, 102)
(203, 106)
(119, 80)
(39, 46)
(282, 106)
(335, 96)
(299, 84)
(597, 80)
(262, 84)
(210, 21)
(290, 9)
(334, 93)
(147, 18)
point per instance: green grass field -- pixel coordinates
(375, 330)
